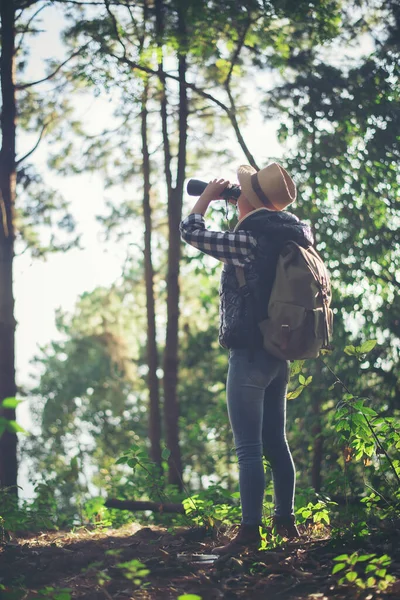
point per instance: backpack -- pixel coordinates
(299, 322)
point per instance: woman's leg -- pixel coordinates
(275, 445)
(245, 397)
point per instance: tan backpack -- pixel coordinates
(299, 322)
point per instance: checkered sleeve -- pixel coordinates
(236, 248)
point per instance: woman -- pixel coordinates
(257, 381)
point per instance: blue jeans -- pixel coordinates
(256, 397)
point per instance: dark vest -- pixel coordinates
(271, 230)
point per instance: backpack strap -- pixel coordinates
(323, 289)
(249, 307)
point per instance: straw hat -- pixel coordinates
(271, 187)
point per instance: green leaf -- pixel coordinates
(384, 560)
(370, 568)
(338, 567)
(350, 350)
(166, 453)
(342, 425)
(368, 411)
(10, 403)
(296, 367)
(296, 393)
(302, 379)
(189, 597)
(380, 572)
(14, 427)
(351, 576)
(342, 557)
(367, 346)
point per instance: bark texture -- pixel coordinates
(175, 193)
(152, 353)
(8, 441)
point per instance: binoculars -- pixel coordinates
(196, 187)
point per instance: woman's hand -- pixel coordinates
(212, 192)
(214, 189)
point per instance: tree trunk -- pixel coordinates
(171, 407)
(170, 360)
(152, 354)
(8, 441)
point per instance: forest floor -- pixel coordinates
(88, 565)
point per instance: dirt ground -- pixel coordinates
(86, 563)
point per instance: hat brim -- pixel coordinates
(244, 174)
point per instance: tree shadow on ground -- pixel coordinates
(88, 563)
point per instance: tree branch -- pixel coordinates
(23, 86)
(26, 29)
(108, 131)
(115, 26)
(163, 75)
(233, 111)
(20, 160)
(229, 111)
(237, 53)
(24, 5)
(133, 505)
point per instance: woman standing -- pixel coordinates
(257, 381)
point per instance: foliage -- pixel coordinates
(209, 509)
(50, 593)
(47, 593)
(39, 514)
(94, 512)
(366, 434)
(373, 574)
(316, 512)
(101, 576)
(134, 570)
(10, 424)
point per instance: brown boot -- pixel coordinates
(248, 537)
(285, 527)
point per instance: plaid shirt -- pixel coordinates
(236, 248)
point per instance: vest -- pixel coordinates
(271, 229)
